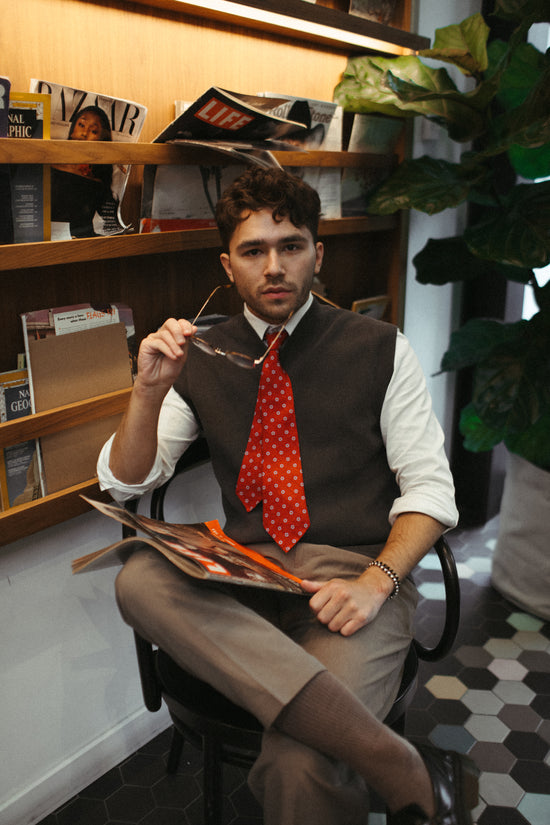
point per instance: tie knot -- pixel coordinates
(270, 335)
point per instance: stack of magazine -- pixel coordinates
(243, 130)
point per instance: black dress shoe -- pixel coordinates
(455, 785)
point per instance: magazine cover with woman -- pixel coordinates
(86, 198)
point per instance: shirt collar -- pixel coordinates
(260, 326)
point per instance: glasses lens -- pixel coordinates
(203, 345)
(241, 360)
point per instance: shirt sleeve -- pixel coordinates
(177, 429)
(415, 443)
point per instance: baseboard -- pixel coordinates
(35, 802)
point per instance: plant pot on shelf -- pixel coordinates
(521, 561)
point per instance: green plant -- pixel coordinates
(506, 119)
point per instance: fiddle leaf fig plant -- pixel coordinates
(503, 123)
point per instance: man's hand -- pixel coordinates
(162, 354)
(345, 605)
(160, 360)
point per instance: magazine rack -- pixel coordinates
(225, 732)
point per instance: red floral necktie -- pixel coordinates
(272, 468)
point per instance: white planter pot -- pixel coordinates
(521, 562)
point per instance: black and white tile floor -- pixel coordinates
(489, 698)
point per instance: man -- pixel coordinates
(370, 494)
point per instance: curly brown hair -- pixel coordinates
(259, 188)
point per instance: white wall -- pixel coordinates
(71, 698)
(431, 311)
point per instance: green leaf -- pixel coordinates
(473, 342)
(405, 87)
(533, 443)
(463, 114)
(462, 44)
(447, 260)
(537, 11)
(517, 274)
(521, 74)
(518, 233)
(364, 87)
(478, 437)
(526, 124)
(511, 387)
(426, 184)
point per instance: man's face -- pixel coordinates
(272, 264)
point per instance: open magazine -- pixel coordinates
(201, 550)
(227, 116)
(86, 198)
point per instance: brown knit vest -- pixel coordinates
(340, 364)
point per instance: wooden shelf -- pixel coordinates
(32, 516)
(29, 518)
(19, 150)
(307, 22)
(53, 253)
(63, 418)
(13, 150)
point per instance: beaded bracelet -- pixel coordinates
(389, 572)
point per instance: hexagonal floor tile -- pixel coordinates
(452, 737)
(446, 687)
(493, 757)
(534, 808)
(508, 669)
(524, 621)
(487, 728)
(483, 701)
(499, 789)
(502, 649)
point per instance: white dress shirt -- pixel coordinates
(411, 433)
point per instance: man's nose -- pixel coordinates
(274, 264)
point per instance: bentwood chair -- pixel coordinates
(228, 734)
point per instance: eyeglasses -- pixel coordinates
(244, 361)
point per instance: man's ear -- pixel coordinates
(319, 252)
(226, 263)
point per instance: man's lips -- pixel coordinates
(277, 292)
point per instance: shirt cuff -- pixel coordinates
(117, 489)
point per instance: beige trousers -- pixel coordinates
(260, 648)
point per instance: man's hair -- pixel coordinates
(268, 188)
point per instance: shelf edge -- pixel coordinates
(32, 517)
